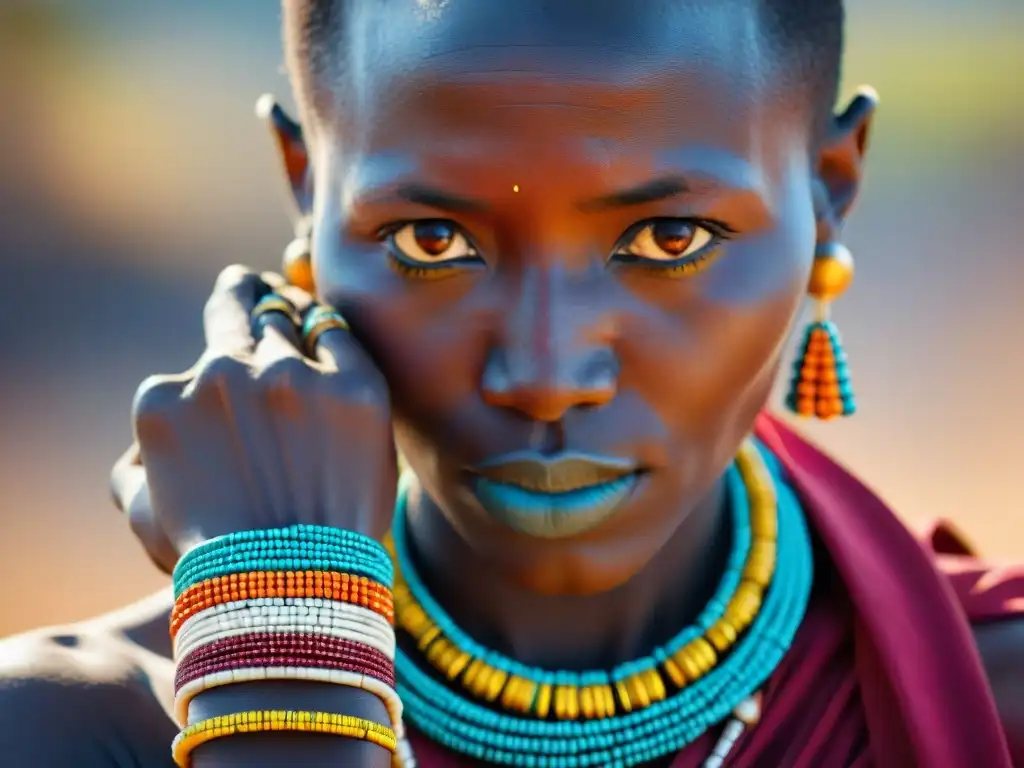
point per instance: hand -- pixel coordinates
(258, 434)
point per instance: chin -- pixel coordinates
(575, 569)
(597, 561)
(591, 551)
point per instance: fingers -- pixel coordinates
(130, 492)
(275, 317)
(327, 337)
(290, 324)
(227, 317)
(124, 481)
(279, 341)
(301, 300)
(227, 320)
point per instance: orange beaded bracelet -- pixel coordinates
(330, 585)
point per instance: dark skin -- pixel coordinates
(532, 312)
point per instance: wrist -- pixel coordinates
(292, 748)
(284, 641)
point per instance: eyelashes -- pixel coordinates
(675, 247)
(428, 248)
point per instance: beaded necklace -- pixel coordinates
(524, 716)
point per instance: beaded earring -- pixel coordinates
(820, 386)
(298, 261)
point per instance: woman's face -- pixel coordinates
(575, 247)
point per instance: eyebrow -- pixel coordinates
(649, 192)
(437, 198)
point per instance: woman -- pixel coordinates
(568, 242)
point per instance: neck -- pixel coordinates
(575, 632)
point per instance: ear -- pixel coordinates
(841, 161)
(294, 155)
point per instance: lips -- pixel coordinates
(554, 496)
(559, 474)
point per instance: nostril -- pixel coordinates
(592, 404)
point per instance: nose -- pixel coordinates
(554, 353)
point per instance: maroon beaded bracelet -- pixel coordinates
(284, 649)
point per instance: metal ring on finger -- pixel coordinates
(274, 303)
(320, 320)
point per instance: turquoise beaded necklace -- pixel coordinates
(626, 740)
(740, 515)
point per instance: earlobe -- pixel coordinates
(293, 153)
(841, 158)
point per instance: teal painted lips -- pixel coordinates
(555, 496)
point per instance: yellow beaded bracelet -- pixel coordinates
(279, 720)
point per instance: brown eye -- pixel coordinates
(673, 236)
(432, 241)
(433, 237)
(667, 240)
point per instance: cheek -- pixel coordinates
(428, 338)
(716, 350)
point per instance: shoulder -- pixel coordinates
(1001, 645)
(73, 696)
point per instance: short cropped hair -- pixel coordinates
(807, 35)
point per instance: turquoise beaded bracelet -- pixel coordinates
(296, 548)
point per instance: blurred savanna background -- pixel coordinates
(132, 169)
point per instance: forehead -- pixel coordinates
(569, 80)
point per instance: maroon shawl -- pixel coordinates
(884, 672)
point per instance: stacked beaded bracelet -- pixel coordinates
(303, 603)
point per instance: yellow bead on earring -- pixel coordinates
(298, 264)
(820, 386)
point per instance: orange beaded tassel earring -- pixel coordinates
(298, 260)
(820, 386)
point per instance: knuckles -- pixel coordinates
(154, 409)
(287, 375)
(289, 386)
(223, 376)
(156, 397)
(226, 378)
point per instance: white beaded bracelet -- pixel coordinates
(258, 618)
(342, 631)
(286, 605)
(338, 621)
(355, 633)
